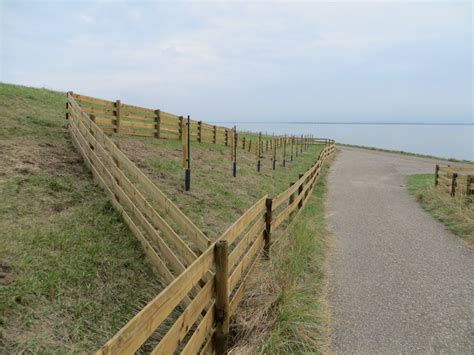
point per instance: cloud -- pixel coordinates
(250, 59)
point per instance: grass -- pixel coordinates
(75, 273)
(216, 198)
(284, 311)
(408, 153)
(456, 213)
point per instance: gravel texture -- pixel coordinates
(399, 282)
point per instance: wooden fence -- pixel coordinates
(203, 325)
(455, 179)
(206, 280)
(170, 249)
(118, 117)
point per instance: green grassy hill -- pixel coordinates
(72, 273)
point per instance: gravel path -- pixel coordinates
(399, 282)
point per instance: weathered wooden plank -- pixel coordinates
(136, 132)
(238, 226)
(207, 349)
(92, 100)
(135, 116)
(249, 237)
(137, 124)
(452, 168)
(170, 130)
(104, 120)
(128, 107)
(152, 256)
(180, 328)
(140, 327)
(245, 262)
(193, 232)
(285, 195)
(201, 333)
(98, 110)
(168, 136)
(239, 294)
(143, 205)
(290, 208)
(117, 188)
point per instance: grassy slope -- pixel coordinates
(456, 213)
(78, 273)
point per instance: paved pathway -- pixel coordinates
(399, 282)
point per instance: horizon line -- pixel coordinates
(354, 123)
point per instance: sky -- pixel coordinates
(259, 61)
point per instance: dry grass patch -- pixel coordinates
(284, 309)
(456, 213)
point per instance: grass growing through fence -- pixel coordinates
(284, 310)
(456, 213)
(71, 273)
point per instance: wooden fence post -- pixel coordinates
(453, 184)
(468, 185)
(268, 227)
(250, 145)
(157, 123)
(117, 116)
(436, 174)
(214, 135)
(243, 143)
(199, 132)
(284, 152)
(301, 144)
(226, 132)
(222, 297)
(469, 180)
(266, 146)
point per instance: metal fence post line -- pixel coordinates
(234, 148)
(187, 154)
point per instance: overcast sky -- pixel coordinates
(251, 61)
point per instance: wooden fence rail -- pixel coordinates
(206, 281)
(455, 179)
(220, 295)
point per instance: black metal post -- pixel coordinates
(187, 171)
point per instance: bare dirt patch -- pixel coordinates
(25, 156)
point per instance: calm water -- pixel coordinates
(448, 141)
